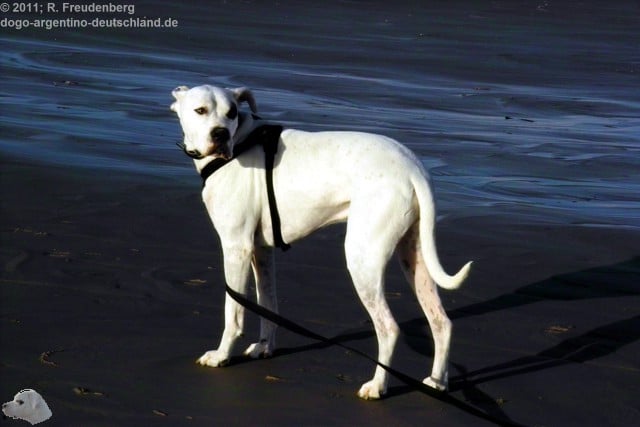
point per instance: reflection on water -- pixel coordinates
(516, 111)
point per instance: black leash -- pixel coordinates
(268, 136)
(412, 382)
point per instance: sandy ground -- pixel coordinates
(112, 287)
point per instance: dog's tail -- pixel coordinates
(427, 237)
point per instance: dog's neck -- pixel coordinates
(246, 124)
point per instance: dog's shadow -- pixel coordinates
(617, 280)
(596, 343)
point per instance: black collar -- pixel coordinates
(264, 135)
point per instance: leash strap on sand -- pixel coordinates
(412, 382)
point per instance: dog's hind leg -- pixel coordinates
(264, 273)
(237, 260)
(415, 270)
(369, 285)
(369, 243)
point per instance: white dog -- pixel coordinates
(27, 405)
(373, 183)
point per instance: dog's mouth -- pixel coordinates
(220, 150)
(219, 141)
(194, 154)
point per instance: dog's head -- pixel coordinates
(209, 118)
(27, 405)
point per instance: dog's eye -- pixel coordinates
(233, 112)
(20, 402)
(201, 110)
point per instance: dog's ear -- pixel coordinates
(178, 93)
(34, 400)
(243, 94)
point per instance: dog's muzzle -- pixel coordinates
(220, 135)
(194, 154)
(220, 138)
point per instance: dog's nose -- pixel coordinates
(220, 134)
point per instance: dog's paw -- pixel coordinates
(371, 390)
(436, 384)
(259, 350)
(213, 358)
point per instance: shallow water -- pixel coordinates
(527, 109)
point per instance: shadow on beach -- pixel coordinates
(618, 280)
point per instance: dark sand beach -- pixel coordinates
(525, 113)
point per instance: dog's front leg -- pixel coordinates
(237, 260)
(263, 264)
